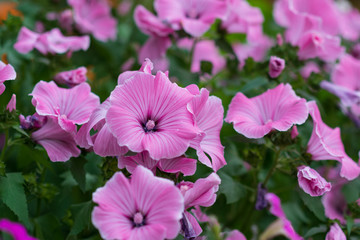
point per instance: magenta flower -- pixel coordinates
(195, 17)
(72, 77)
(16, 230)
(49, 42)
(69, 106)
(235, 235)
(146, 207)
(103, 135)
(335, 233)
(325, 144)
(34, 121)
(208, 114)
(58, 143)
(186, 166)
(312, 182)
(94, 16)
(7, 72)
(276, 66)
(11, 106)
(277, 108)
(282, 225)
(155, 49)
(149, 113)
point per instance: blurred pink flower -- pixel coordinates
(94, 16)
(195, 17)
(71, 78)
(103, 142)
(294, 132)
(7, 72)
(310, 67)
(208, 115)
(66, 20)
(49, 42)
(346, 73)
(146, 207)
(334, 202)
(335, 233)
(11, 106)
(235, 235)
(186, 166)
(325, 144)
(155, 49)
(16, 230)
(312, 182)
(148, 113)
(69, 106)
(276, 66)
(58, 143)
(146, 67)
(278, 108)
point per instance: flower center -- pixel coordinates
(138, 219)
(150, 126)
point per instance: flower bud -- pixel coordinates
(276, 66)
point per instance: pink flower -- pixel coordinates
(69, 106)
(325, 144)
(312, 182)
(146, 67)
(310, 67)
(58, 143)
(103, 135)
(243, 18)
(16, 230)
(187, 166)
(347, 72)
(277, 108)
(235, 235)
(49, 42)
(149, 24)
(155, 49)
(335, 233)
(276, 66)
(208, 114)
(94, 16)
(294, 132)
(72, 77)
(7, 72)
(149, 113)
(195, 17)
(285, 225)
(146, 207)
(66, 20)
(11, 106)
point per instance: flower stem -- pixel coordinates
(271, 171)
(2, 156)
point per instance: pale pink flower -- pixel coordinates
(69, 106)
(155, 49)
(347, 72)
(146, 207)
(7, 72)
(102, 142)
(186, 166)
(71, 78)
(195, 17)
(148, 113)
(335, 233)
(276, 66)
(286, 227)
(208, 114)
(94, 16)
(312, 182)
(325, 144)
(49, 42)
(16, 230)
(58, 143)
(278, 108)
(235, 235)
(243, 18)
(310, 67)
(11, 106)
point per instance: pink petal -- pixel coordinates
(335, 233)
(16, 230)
(235, 235)
(187, 166)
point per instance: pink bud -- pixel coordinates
(311, 182)
(335, 233)
(12, 104)
(276, 66)
(279, 39)
(294, 132)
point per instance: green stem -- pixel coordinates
(192, 51)
(271, 171)
(2, 156)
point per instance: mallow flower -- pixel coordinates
(312, 182)
(11, 106)
(144, 207)
(335, 233)
(276, 66)
(325, 144)
(7, 72)
(71, 78)
(69, 106)
(148, 113)
(16, 230)
(278, 108)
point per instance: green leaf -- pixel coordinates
(351, 191)
(12, 195)
(232, 190)
(206, 67)
(314, 205)
(315, 230)
(349, 224)
(82, 217)
(78, 171)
